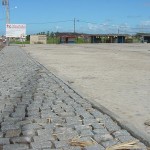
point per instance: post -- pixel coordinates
(74, 25)
(6, 4)
(117, 36)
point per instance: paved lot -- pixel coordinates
(115, 75)
(40, 112)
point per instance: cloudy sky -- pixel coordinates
(91, 16)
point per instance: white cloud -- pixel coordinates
(92, 26)
(145, 23)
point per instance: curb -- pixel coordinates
(122, 123)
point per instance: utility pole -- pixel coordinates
(118, 35)
(74, 25)
(118, 31)
(6, 4)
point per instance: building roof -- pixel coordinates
(143, 34)
(104, 35)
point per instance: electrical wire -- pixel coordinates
(38, 23)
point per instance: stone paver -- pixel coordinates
(39, 111)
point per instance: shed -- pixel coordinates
(38, 39)
(144, 37)
(121, 38)
(67, 39)
(96, 38)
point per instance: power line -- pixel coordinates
(86, 22)
(38, 23)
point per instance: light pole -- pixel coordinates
(6, 4)
(74, 25)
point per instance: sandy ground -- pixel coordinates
(115, 75)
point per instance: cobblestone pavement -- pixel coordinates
(40, 112)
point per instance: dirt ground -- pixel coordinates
(115, 75)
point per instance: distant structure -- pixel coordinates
(144, 37)
(108, 38)
(38, 39)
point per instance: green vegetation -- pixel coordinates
(18, 42)
(52, 40)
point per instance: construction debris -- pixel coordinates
(125, 146)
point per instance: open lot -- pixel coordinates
(115, 75)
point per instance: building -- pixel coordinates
(108, 38)
(96, 38)
(38, 39)
(68, 39)
(121, 38)
(144, 37)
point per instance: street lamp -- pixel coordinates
(6, 4)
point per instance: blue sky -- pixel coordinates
(92, 16)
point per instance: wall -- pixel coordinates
(38, 39)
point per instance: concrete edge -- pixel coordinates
(124, 124)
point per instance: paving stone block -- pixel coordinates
(51, 149)
(7, 123)
(4, 141)
(32, 126)
(34, 114)
(94, 147)
(48, 115)
(18, 115)
(1, 118)
(5, 128)
(33, 107)
(67, 114)
(11, 119)
(24, 122)
(75, 118)
(73, 122)
(112, 127)
(45, 132)
(86, 133)
(109, 143)
(87, 106)
(96, 113)
(21, 140)
(121, 133)
(72, 148)
(16, 147)
(84, 139)
(6, 114)
(89, 121)
(13, 133)
(25, 103)
(46, 137)
(45, 107)
(1, 134)
(102, 138)
(97, 126)
(82, 127)
(41, 145)
(57, 120)
(9, 108)
(67, 136)
(125, 138)
(60, 130)
(61, 144)
(100, 131)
